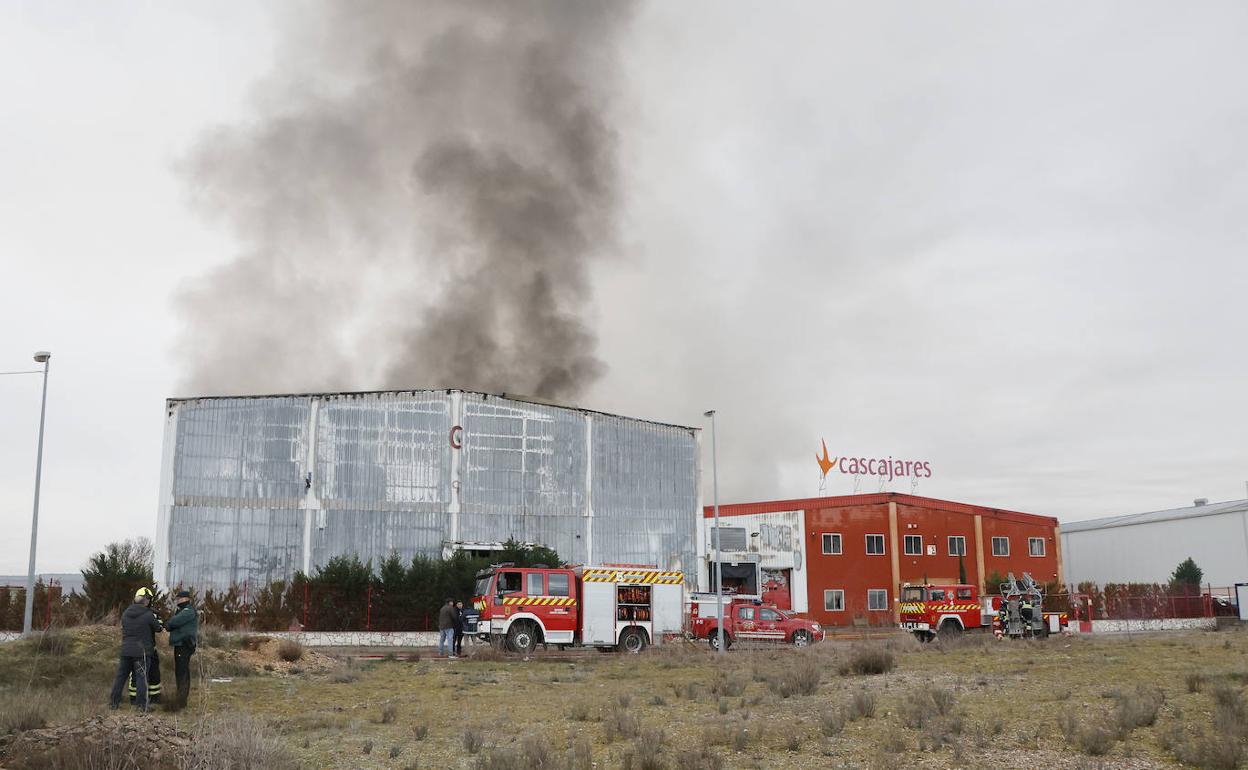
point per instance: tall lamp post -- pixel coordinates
(43, 357)
(719, 578)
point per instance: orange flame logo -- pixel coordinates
(825, 462)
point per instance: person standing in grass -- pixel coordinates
(183, 628)
(139, 626)
(458, 647)
(446, 629)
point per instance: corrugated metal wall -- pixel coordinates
(240, 504)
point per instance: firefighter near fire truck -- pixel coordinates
(611, 607)
(930, 610)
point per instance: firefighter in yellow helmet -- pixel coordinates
(154, 689)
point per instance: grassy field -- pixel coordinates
(1114, 702)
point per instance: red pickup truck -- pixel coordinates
(750, 620)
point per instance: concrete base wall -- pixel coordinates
(1140, 626)
(358, 638)
(9, 636)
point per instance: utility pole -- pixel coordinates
(44, 358)
(719, 578)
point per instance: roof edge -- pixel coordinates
(1136, 519)
(170, 401)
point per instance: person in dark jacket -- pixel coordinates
(446, 629)
(458, 647)
(183, 628)
(139, 626)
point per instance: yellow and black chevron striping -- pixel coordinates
(921, 607)
(540, 601)
(642, 577)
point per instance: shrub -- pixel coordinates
(792, 739)
(532, 753)
(862, 705)
(420, 731)
(620, 724)
(647, 746)
(389, 712)
(472, 739)
(1094, 739)
(800, 679)
(866, 660)
(1137, 709)
(18, 714)
(580, 755)
(727, 686)
(238, 742)
(700, 759)
(832, 722)
(579, 711)
(1195, 682)
(290, 650)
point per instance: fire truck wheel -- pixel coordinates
(632, 640)
(950, 628)
(522, 638)
(713, 638)
(801, 638)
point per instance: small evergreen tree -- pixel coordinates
(1187, 574)
(113, 575)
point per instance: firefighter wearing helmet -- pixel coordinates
(138, 662)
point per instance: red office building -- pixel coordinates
(840, 560)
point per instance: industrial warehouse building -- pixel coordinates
(1146, 547)
(841, 560)
(255, 488)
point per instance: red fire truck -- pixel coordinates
(928, 610)
(748, 619)
(623, 607)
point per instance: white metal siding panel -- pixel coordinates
(1148, 553)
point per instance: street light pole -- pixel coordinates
(719, 578)
(44, 358)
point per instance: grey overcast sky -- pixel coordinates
(1008, 239)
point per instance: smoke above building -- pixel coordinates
(418, 195)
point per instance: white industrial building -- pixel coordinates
(255, 488)
(1146, 547)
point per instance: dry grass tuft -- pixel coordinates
(472, 740)
(868, 660)
(289, 650)
(861, 705)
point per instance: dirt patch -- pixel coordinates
(262, 653)
(142, 741)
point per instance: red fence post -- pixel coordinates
(368, 609)
(305, 606)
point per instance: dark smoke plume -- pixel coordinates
(420, 196)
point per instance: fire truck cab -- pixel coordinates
(611, 607)
(948, 609)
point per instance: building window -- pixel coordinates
(877, 599)
(914, 545)
(957, 545)
(875, 545)
(558, 582)
(834, 600)
(1000, 546)
(537, 584)
(831, 544)
(1035, 546)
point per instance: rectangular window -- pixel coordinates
(559, 584)
(537, 584)
(914, 545)
(831, 543)
(964, 593)
(1000, 546)
(1035, 546)
(834, 600)
(957, 545)
(938, 595)
(877, 599)
(875, 545)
